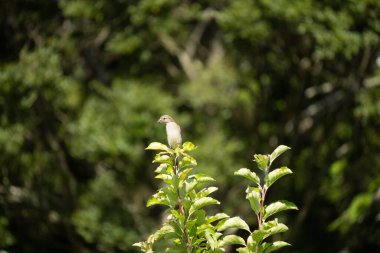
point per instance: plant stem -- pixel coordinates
(182, 212)
(263, 193)
(261, 213)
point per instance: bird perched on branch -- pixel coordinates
(173, 131)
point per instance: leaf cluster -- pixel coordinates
(189, 229)
(256, 242)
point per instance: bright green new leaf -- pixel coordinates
(278, 228)
(153, 201)
(232, 239)
(244, 172)
(278, 206)
(161, 168)
(158, 146)
(170, 194)
(183, 174)
(192, 194)
(176, 214)
(165, 177)
(262, 161)
(218, 216)
(190, 185)
(188, 146)
(234, 222)
(276, 174)
(187, 161)
(210, 239)
(254, 197)
(202, 228)
(207, 191)
(267, 229)
(202, 178)
(157, 200)
(164, 230)
(263, 246)
(199, 203)
(162, 159)
(258, 235)
(251, 244)
(137, 244)
(243, 250)
(278, 151)
(275, 246)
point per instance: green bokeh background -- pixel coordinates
(83, 82)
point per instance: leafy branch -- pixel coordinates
(256, 196)
(188, 228)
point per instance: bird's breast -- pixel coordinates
(173, 132)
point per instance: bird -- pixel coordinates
(173, 131)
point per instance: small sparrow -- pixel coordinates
(173, 131)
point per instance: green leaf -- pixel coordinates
(277, 228)
(192, 227)
(244, 172)
(165, 177)
(158, 199)
(218, 216)
(175, 181)
(243, 250)
(202, 178)
(251, 244)
(178, 247)
(187, 161)
(137, 244)
(176, 227)
(275, 246)
(188, 146)
(158, 146)
(263, 246)
(258, 235)
(278, 206)
(164, 230)
(268, 229)
(232, 239)
(161, 168)
(277, 152)
(276, 174)
(234, 222)
(183, 174)
(262, 161)
(207, 191)
(162, 159)
(211, 239)
(190, 185)
(199, 203)
(170, 194)
(176, 214)
(254, 197)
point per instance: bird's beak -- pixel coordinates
(159, 121)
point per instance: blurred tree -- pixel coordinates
(83, 82)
